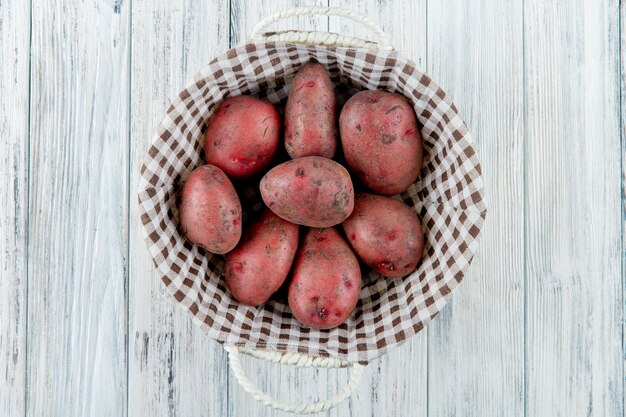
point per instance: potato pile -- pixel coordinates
(315, 226)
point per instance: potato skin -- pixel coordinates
(386, 234)
(210, 210)
(311, 191)
(326, 282)
(311, 114)
(242, 136)
(381, 141)
(258, 266)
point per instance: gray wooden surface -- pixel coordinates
(536, 329)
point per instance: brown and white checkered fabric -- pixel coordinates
(448, 197)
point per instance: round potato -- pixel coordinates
(312, 191)
(210, 211)
(326, 282)
(242, 136)
(311, 114)
(385, 234)
(381, 141)
(258, 266)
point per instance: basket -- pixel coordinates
(448, 197)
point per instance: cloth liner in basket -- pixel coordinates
(448, 197)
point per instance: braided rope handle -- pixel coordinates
(322, 38)
(299, 360)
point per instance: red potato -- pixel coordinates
(258, 266)
(312, 191)
(242, 136)
(386, 234)
(381, 141)
(311, 114)
(326, 281)
(210, 211)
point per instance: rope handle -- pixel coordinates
(299, 360)
(322, 38)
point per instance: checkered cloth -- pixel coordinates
(448, 196)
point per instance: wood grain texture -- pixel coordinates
(395, 384)
(14, 111)
(174, 368)
(573, 217)
(78, 209)
(476, 344)
(622, 23)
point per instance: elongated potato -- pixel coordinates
(312, 191)
(326, 282)
(381, 141)
(210, 211)
(258, 266)
(311, 114)
(385, 234)
(242, 136)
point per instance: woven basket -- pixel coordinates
(448, 197)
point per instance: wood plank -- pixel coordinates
(282, 382)
(573, 217)
(78, 209)
(14, 111)
(622, 23)
(476, 344)
(174, 368)
(395, 384)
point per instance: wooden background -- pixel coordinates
(86, 328)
